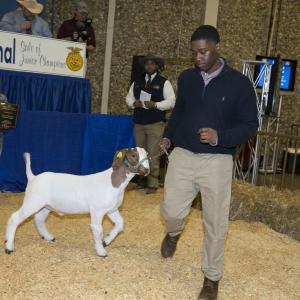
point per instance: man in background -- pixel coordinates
(79, 28)
(149, 117)
(26, 20)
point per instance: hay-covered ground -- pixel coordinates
(259, 263)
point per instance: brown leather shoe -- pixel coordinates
(168, 246)
(209, 290)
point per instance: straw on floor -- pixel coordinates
(259, 262)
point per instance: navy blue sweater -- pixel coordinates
(227, 104)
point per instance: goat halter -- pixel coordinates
(134, 167)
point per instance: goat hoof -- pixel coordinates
(9, 251)
(52, 240)
(104, 244)
(102, 254)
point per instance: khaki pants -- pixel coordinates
(211, 174)
(148, 137)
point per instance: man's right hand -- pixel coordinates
(137, 103)
(25, 25)
(75, 36)
(164, 145)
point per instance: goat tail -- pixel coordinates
(29, 173)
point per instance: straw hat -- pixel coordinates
(158, 60)
(32, 5)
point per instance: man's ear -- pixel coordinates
(119, 158)
(218, 47)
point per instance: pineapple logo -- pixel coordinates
(74, 59)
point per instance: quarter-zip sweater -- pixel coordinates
(227, 104)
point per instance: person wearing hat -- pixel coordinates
(78, 28)
(149, 117)
(26, 20)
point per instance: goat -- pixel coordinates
(98, 194)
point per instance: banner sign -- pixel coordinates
(27, 53)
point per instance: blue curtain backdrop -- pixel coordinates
(62, 142)
(39, 92)
(103, 136)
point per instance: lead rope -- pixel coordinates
(164, 150)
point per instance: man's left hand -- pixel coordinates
(208, 136)
(25, 25)
(150, 104)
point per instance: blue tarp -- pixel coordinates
(62, 142)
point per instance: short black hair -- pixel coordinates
(206, 32)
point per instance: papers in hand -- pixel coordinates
(145, 97)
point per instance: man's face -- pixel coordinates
(150, 67)
(28, 15)
(80, 16)
(205, 54)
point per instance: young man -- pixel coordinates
(215, 111)
(26, 19)
(149, 120)
(76, 28)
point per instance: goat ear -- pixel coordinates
(119, 158)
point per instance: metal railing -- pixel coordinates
(278, 162)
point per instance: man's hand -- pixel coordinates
(25, 25)
(90, 48)
(150, 104)
(137, 103)
(208, 136)
(164, 145)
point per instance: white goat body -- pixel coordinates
(70, 194)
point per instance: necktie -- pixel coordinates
(148, 83)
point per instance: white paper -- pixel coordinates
(145, 97)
